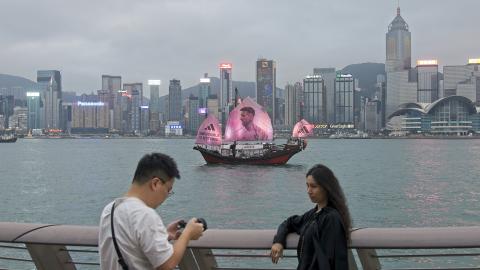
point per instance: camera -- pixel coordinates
(183, 223)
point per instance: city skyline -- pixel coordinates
(144, 46)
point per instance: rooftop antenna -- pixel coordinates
(398, 8)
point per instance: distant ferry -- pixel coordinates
(8, 138)
(248, 138)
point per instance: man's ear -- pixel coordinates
(155, 183)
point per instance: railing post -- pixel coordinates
(352, 264)
(197, 259)
(188, 261)
(50, 257)
(368, 258)
(205, 259)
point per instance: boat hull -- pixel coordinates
(12, 140)
(278, 157)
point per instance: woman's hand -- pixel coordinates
(276, 253)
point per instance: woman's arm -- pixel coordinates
(290, 225)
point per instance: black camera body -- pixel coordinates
(183, 223)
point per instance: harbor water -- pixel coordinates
(388, 183)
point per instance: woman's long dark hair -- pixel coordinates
(336, 198)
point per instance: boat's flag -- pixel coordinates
(302, 129)
(209, 132)
(248, 122)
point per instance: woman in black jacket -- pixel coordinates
(324, 231)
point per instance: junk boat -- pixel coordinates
(248, 138)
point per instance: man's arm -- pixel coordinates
(192, 231)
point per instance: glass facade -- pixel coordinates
(452, 115)
(344, 99)
(314, 99)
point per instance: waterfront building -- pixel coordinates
(398, 45)
(293, 103)
(212, 106)
(427, 81)
(50, 83)
(328, 75)
(130, 87)
(175, 101)
(463, 80)
(401, 88)
(226, 92)
(33, 110)
(2, 122)
(314, 99)
(105, 97)
(345, 99)
(373, 117)
(121, 112)
(136, 103)
(144, 119)
(111, 84)
(401, 85)
(173, 128)
(204, 91)
(266, 93)
(154, 104)
(381, 96)
(90, 115)
(7, 103)
(194, 116)
(19, 120)
(453, 115)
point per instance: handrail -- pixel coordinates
(47, 243)
(379, 238)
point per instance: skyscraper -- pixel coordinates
(398, 45)
(154, 105)
(401, 79)
(427, 81)
(463, 80)
(50, 82)
(175, 101)
(314, 99)
(112, 84)
(205, 89)
(328, 75)
(266, 87)
(33, 106)
(293, 103)
(226, 92)
(344, 99)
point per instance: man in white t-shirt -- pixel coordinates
(142, 238)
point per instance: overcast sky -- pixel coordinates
(165, 39)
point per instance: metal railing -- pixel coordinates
(46, 246)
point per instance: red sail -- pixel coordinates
(302, 129)
(248, 122)
(209, 132)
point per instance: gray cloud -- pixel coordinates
(182, 39)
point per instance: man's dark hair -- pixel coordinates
(248, 109)
(155, 165)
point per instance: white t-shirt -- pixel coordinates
(140, 234)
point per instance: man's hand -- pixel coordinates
(193, 229)
(276, 253)
(172, 230)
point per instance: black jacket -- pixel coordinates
(322, 244)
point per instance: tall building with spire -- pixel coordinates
(401, 79)
(398, 45)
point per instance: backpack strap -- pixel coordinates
(121, 261)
